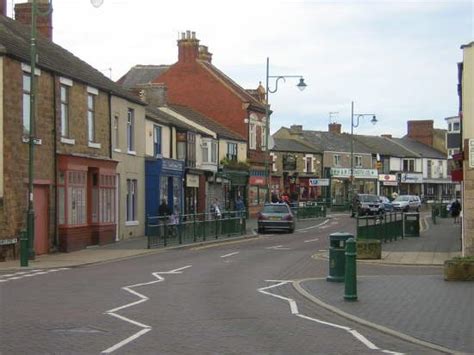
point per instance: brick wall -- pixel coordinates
(421, 131)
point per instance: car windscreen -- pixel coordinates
(275, 209)
(402, 198)
(369, 198)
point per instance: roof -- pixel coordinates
(164, 118)
(335, 142)
(384, 146)
(242, 93)
(290, 145)
(471, 44)
(419, 149)
(15, 43)
(141, 74)
(207, 122)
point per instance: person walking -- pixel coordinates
(215, 209)
(240, 206)
(163, 210)
(455, 210)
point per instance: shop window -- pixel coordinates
(232, 151)
(131, 200)
(257, 195)
(164, 188)
(72, 197)
(26, 102)
(289, 162)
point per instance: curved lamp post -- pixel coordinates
(355, 120)
(301, 85)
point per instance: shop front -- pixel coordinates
(164, 180)
(86, 194)
(411, 184)
(388, 185)
(365, 182)
(234, 184)
(191, 193)
(310, 188)
(258, 191)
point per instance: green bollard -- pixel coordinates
(350, 276)
(23, 248)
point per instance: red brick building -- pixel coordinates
(195, 82)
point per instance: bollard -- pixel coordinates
(23, 248)
(337, 244)
(350, 276)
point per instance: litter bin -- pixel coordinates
(337, 249)
(411, 224)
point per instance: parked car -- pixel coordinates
(387, 204)
(366, 204)
(276, 216)
(407, 203)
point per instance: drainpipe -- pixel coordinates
(55, 163)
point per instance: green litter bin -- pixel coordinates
(337, 250)
(411, 224)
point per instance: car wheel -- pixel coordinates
(292, 229)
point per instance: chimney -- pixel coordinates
(387, 136)
(334, 128)
(188, 47)
(44, 23)
(296, 130)
(3, 7)
(421, 131)
(204, 54)
(154, 94)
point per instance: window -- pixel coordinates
(130, 130)
(157, 139)
(257, 195)
(131, 200)
(264, 138)
(309, 164)
(91, 117)
(116, 132)
(232, 151)
(409, 165)
(181, 145)
(213, 152)
(103, 198)
(76, 197)
(205, 152)
(456, 126)
(440, 169)
(26, 102)
(64, 94)
(253, 136)
(289, 162)
(358, 161)
(191, 150)
(337, 160)
(429, 169)
(450, 127)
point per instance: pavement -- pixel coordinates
(419, 307)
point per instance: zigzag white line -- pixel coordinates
(294, 311)
(142, 298)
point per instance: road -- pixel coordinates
(233, 297)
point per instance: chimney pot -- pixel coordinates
(193, 35)
(188, 34)
(334, 128)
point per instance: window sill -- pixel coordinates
(94, 145)
(132, 223)
(116, 150)
(68, 141)
(36, 141)
(131, 152)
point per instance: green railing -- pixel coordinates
(439, 209)
(188, 229)
(386, 227)
(341, 207)
(309, 211)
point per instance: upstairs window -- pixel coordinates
(213, 152)
(309, 164)
(456, 126)
(253, 136)
(116, 132)
(263, 138)
(191, 149)
(64, 93)
(232, 151)
(131, 130)
(337, 160)
(157, 139)
(289, 162)
(26, 102)
(409, 165)
(91, 117)
(358, 161)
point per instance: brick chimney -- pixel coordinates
(44, 24)
(421, 131)
(296, 130)
(154, 94)
(334, 128)
(188, 47)
(387, 136)
(204, 54)
(3, 7)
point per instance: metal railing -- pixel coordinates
(309, 211)
(385, 227)
(188, 229)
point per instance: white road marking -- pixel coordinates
(311, 240)
(316, 226)
(142, 298)
(278, 247)
(31, 273)
(294, 311)
(230, 254)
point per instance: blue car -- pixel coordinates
(387, 205)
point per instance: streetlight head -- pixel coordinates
(301, 85)
(374, 120)
(97, 3)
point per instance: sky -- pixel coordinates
(394, 58)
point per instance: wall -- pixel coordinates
(1, 129)
(241, 149)
(130, 166)
(165, 135)
(346, 160)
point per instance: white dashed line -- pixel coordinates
(278, 247)
(311, 240)
(230, 254)
(24, 274)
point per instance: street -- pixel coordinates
(234, 297)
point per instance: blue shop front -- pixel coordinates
(164, 179)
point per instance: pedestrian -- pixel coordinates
(239, 205)
(215, 209)
(455, 210)
(163, 210)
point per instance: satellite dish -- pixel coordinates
(97, 3)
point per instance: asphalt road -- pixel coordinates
(229, 298)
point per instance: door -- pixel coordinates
(41, 206)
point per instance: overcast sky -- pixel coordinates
(396, 58)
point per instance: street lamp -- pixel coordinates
(301, 86)
(355, 124)
(27, 249)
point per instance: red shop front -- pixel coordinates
(86, 194)
(307, 191)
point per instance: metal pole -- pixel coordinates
(351, 191)
(31, 213)
(267, 132)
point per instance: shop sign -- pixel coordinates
(318, 182)
(390, 183)
(257, 180)
(358, 173)
(171, 164)
(387, 178)
(409, 178)
(192, 180)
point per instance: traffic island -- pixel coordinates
(369, 249)
(459, 269)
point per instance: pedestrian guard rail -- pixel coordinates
(193, 228)
(385, 227)
(439, 209)
(309, 211)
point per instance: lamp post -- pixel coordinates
(355, 124)
(301, 85)
(27, 250)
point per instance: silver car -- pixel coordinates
(407, 203)
(276, 216)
